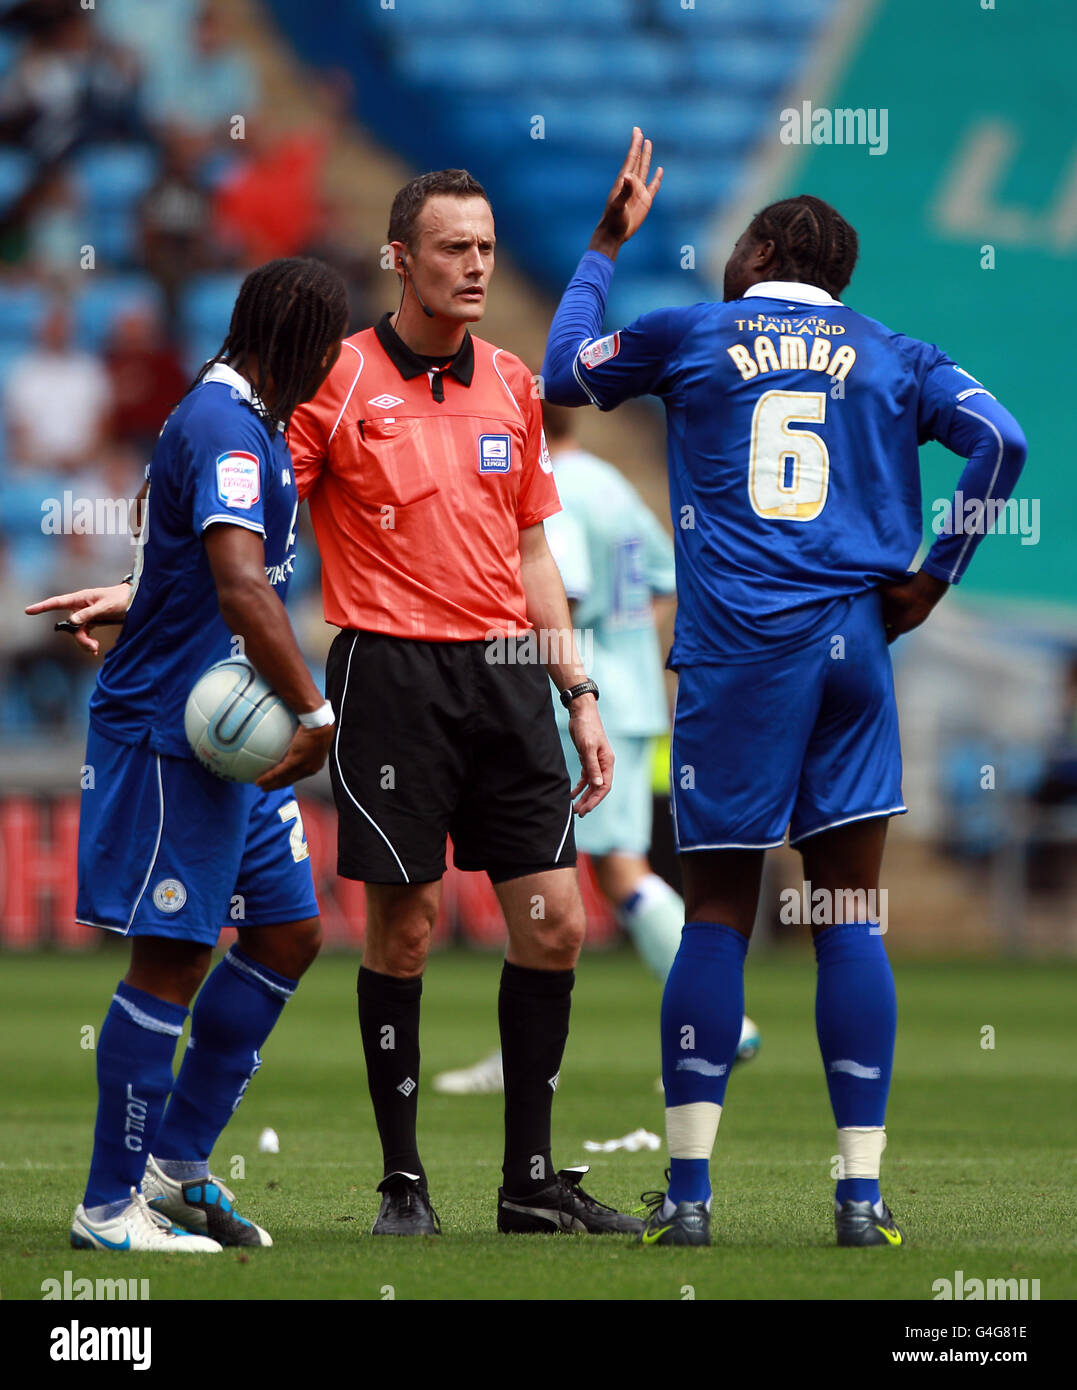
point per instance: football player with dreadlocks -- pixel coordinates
(168, 853)
(793, 425)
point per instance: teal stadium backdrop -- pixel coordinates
(982, 153)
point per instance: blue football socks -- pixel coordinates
(856, 1022)
(233, 1015)
(134, 1076)
(702, 1009)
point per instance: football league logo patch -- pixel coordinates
(169, 895)
(495, 453)
(239, 480)
(601, 350)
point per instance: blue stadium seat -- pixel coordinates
(709, 124)
(114, 176)
(16, 170)
(9, 52)
(547, 64)
(731, 18)
(548, 15)
(742, 65)
(207, 305)
(628, 301)
(104, 299)
(22, 308)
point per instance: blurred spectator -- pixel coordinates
(342, 248)
(67, 86)
(205, 83)
(55, 228)
(174, 220)
(1051, 858)
(146, 376)
(56, 400)
(271, 204)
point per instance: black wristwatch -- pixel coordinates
(584, 688)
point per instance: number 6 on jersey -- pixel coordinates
(789, 470)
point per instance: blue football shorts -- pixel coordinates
(621, 822)
(805, 741)
(167, 849)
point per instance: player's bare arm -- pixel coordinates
(547, 608)
(252, 611)
(630, 198)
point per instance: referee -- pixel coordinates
(428, 478)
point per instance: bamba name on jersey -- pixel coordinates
(792, 353)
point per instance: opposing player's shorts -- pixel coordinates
(444, 738)
(167, 849)
(808, 740)
(621, 822)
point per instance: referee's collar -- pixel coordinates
(409, 364)
(797, 290)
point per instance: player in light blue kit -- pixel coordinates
(168, 853)
(616, 563)
(793, 428)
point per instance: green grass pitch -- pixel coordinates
(981, 1169)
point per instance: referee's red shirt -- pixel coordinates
(419, 484)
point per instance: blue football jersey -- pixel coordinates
(794, 425)
(215, 461)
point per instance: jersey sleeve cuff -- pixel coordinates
(230, 519)
(533, 518)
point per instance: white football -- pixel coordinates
(236, 725)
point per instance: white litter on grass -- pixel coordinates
(268, 1143)
(632, 1143)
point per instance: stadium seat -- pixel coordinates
(207, 305)
(114, 176)
(547, 64)
(104, 299)
(419, 16)
(22, 308)
(16, 171)
(732, 18)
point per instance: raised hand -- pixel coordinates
(630, 198)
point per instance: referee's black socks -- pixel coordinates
(389, 1022)
(532, 1009)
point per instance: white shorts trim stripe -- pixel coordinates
(103, 926)
(691, 849)
(564, 837)
(157, 846)
(245, 968)
(145, 1020)
(848, 820)
(340, 770)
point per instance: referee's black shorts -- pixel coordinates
(443, 738)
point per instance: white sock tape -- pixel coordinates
(691, 1129)
(860, 1151)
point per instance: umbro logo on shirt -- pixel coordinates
(385, 402)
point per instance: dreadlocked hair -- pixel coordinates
(287, 316)
(813, 243)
